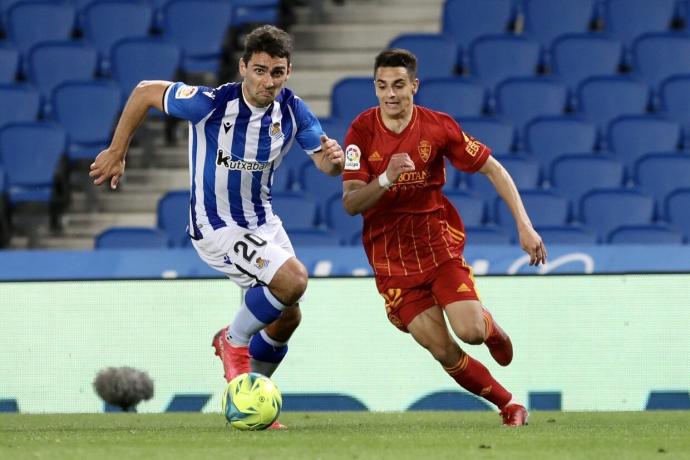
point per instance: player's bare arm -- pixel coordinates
(330, 159)
(530, 241)
(110, 163)
(358, 196)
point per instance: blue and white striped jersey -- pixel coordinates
(234, 149)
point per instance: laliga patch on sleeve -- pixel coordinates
(352, 156)
(185, 92)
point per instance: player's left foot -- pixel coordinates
(277, 426)
(514, 415)
(498, 342)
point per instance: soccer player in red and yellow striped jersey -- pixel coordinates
(414, 238)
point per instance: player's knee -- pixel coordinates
(290, 319)
(290, 282)
(472, 333)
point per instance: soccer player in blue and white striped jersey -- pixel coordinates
(239, 134)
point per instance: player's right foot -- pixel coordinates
(514, 415)
(277, 426)
(235, 359)
(498, 342)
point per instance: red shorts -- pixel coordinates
(450, 282)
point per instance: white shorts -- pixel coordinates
(247, 257)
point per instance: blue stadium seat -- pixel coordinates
(51, 64)
(9, 64)
(88, 112)
(545, 19)
(551, 137)
(486, 235)
(632, 137)
(335, 129)
(136, 59)
(314, 237)
(23, 99)
(525, 174)
(601, 99)
(436, 54)
(351, 96)
(574, 58)
(348, 227)
(282, 179)
(457, 97)
(466, 20)
(659, 56)
(605, 210)
(626, 20)
(676, 211)
(454, 178)
(675, 102)
(659, 174)
(297, 211)
(107, 22)
(29, 23)
(472, 209)
(173, 217)
(255, 12)
(293, 161)
(131, 238)
(544, 209)
(645, 234)
(522, 99)
(573, 176)
(24, 146)
(566, 234)
(198, 27)
(497, 57)
(497, 134)
(321, 187)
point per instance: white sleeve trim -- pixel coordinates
(165, 98)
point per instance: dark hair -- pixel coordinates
(397, 57)
(267, 39)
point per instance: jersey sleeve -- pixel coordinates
(464, 151)
(309, 129)
(190, 103)
(356, 166)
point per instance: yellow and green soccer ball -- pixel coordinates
(251, 402)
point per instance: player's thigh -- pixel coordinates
(246, 257)
(429, 329)
(466, 320)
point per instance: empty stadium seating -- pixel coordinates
(351, 96)
(676, 211)
(497, 134)
(660, 56)
(660, 174)
(24, 100)
(457, 97)
(435, 53)
(497, 57)
(601, 99)
(606, 210)
(131, 238)
(546, 19)
(471, 208)
(645, 234)
(549, 138)
(9, 64)
(573, 176)
(173, 217)
(631, 137)
(626, 20)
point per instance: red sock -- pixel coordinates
(474, 377)
(488, 323)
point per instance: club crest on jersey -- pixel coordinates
(352, 156)
(185, 92)
(261, 263)
(424, 149)
(275, 131)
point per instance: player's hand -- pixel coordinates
(109, 164)
(332, 151)
(399, 163)
(531, 243)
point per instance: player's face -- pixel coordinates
(395, 90)
(264, 77)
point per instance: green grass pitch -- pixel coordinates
(328, 435)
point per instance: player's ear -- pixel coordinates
(243, 67)
(289, 70)
(415, 86)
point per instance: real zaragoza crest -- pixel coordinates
(424, 149)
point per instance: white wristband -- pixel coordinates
(384, 182)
